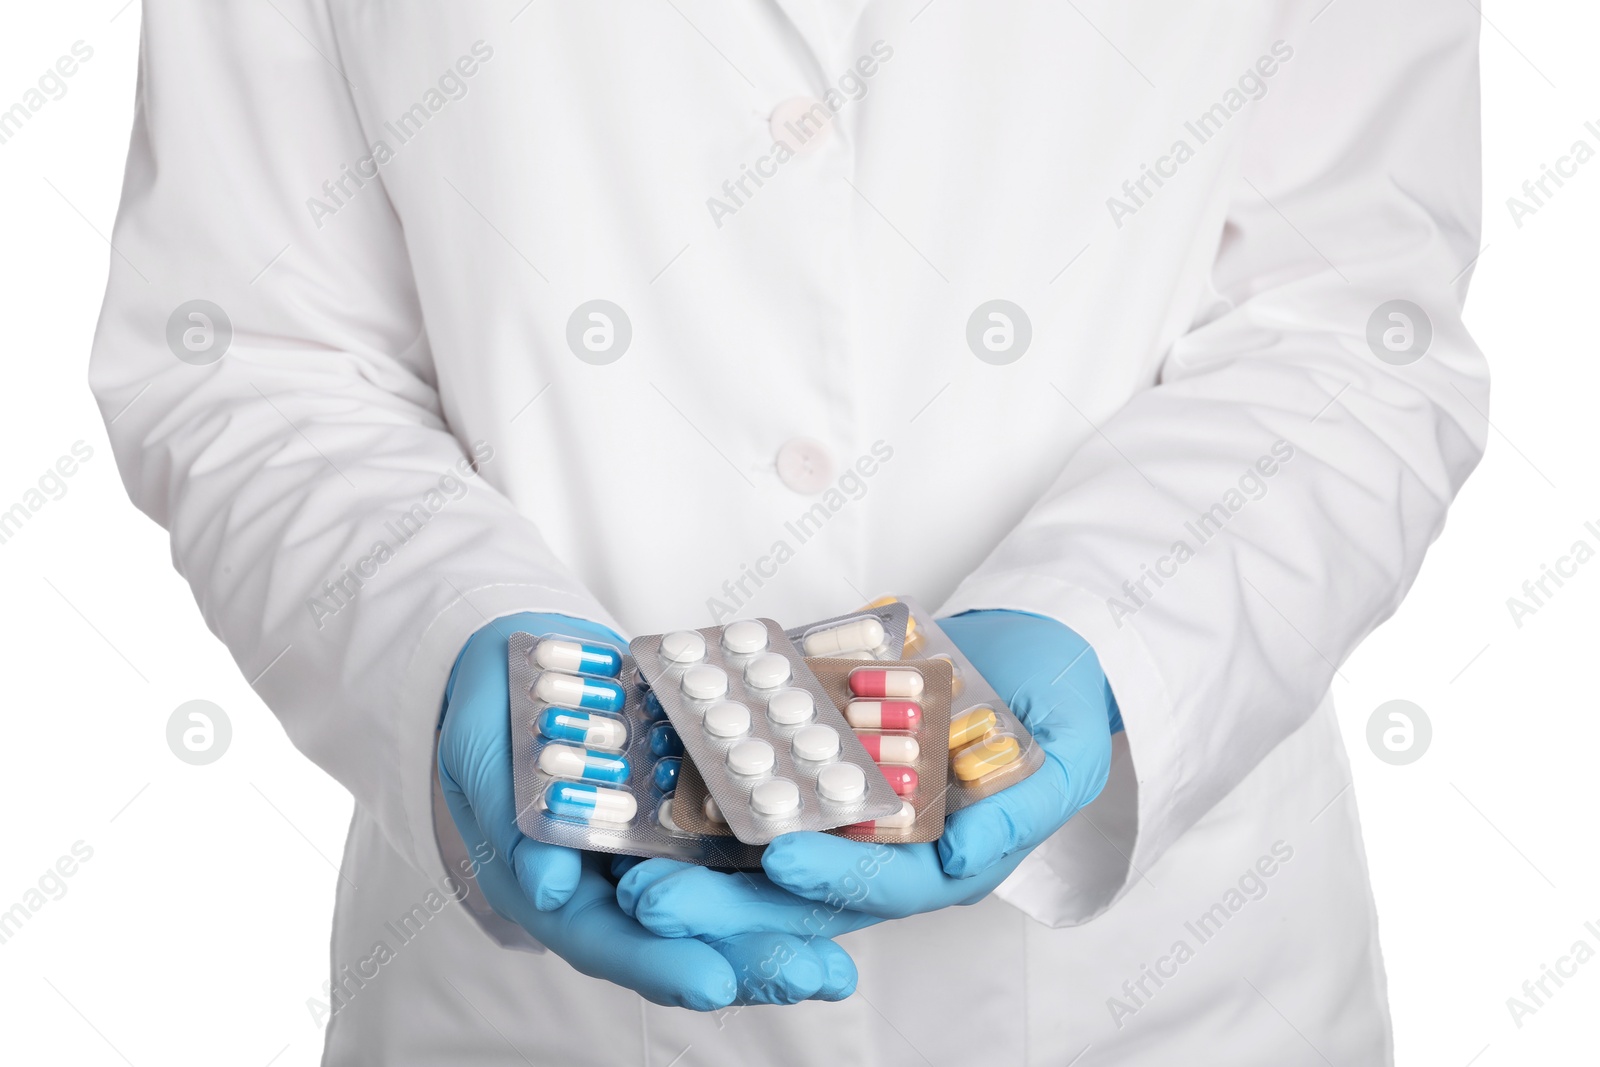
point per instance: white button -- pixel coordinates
(683, 646)
(727, 720)
(704, 682)
(744, 637)
(806, 466)
(789, 706)
(767, 671)
(841, 783)
(802, 123)
(775, 798)
(816, 742)
(751, 757)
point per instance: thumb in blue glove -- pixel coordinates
(1052, 679)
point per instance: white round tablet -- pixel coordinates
(683, 646)
(704, 682)
(727, 719)
(744, 637)
(790, 706)
(751, 757)
(767, 671)
(775, 798)
(816, 742)
(841, 783)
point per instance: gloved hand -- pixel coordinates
(1051, 678)
(864, 884)
(563, 897)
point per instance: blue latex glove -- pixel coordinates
(563, 897)
(1051, 678)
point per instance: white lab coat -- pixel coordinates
(385, 329)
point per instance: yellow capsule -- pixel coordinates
(971, 726)
(986, 757)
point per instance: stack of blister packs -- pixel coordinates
(703, 745)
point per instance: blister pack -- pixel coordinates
(906, 737)
(774, 751)
(877, 631)
(594, 762)
(900, 709)
(990, 749)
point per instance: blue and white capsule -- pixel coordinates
(571, 691)
(664, 741)
(665, 773)
(569, 761)
(579, 727)
(577, 657)
(590, 803)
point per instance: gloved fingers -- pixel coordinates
(475, 757)
(774, 968)
(1077, 747)
(841, 970)
(592, 934)
(475, 749)
(548, 874)
(681, 900)
(885, 881)
(1018, 817)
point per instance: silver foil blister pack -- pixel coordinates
(594, 767)
(775, 753)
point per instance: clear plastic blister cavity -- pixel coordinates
(877, 631)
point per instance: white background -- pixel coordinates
(198, 929)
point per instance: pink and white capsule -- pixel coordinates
(891, 748)
(883, 714)
(876, 682)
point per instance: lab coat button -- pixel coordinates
(805, 466)
(804, 124)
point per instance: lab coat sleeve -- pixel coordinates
(338, 537)
(1226, 538)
